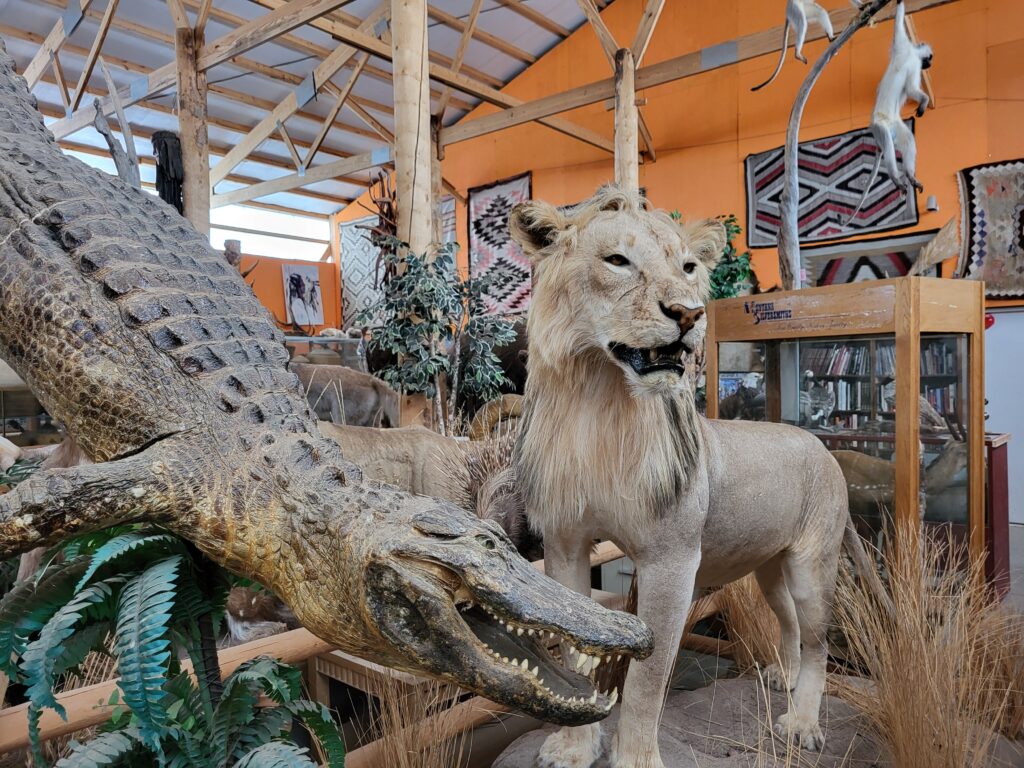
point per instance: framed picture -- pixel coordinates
(303, 299)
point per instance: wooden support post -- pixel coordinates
(192, 128)
(436, 180)
(412, 122)
(627, 166)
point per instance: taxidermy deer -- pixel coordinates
(798, 13)
(900, 83)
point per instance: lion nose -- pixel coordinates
(686, 317)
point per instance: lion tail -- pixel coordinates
(865, 568)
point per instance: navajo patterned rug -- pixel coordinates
(855, 269)
(491, 247)
(358, 269)
(833, 173)
(992, 227)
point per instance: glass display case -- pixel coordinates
(887, 374)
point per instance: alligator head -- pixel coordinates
(446, 594)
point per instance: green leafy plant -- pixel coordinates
(423, 316)
(141, 594)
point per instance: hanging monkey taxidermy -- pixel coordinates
(900, 83)
(798, 12)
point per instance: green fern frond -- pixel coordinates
(318, 721)
(29, 605)
(88, 543)
(235, 710)
(106, 750)
(76, 648)
(269, 723)
(121, 545)
(19, 471)
(281, 682)
(142, 644)
(42, 655)
(277, 754)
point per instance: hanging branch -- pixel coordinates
(385, 232)
(789, 234)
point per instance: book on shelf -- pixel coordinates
(938, 359)
(835, 360)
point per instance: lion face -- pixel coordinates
(617, 280)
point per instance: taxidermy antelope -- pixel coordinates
(798, 13)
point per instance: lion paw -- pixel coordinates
(805, 733)
(571, 747)
(777, 680)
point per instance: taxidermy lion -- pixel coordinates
(612, 447)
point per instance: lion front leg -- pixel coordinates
(567, 561)
(665, 585)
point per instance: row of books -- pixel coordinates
(836, 360)
(938, 359)
(850, 395)
(942, 399)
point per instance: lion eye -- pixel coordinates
(689, 267)
(617, 260)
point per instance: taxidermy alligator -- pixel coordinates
(168, 373)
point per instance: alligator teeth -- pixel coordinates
(500, 621)
(614, 697)
(593, 699)
(618, 658)
(519, 631)
(525, 665)
(530, 632)
(534, 672)
(581, 661)
(608, 659)
(596, 664)
(505, 659)
(508, 627)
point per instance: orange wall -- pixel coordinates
(704, 126)
(267, 282)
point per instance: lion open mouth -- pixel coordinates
(653, 359)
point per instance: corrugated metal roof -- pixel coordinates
(141, 39)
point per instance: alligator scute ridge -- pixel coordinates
(166, 370)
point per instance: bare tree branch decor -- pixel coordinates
(789, 204)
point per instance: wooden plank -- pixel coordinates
(536, 17)
(52, 43)
(263, 28)
(412, 123)
(908, 408)
(644, 31)
(976, 488)
(126, 128)
(604, 35)
(203, 15)
(481, 36)
(312, 175)
(335, 109)
(460, 54)
(376, 125)
(178, 15)
(289, 105)
(62, 84)
(677, 68)
(283, 132)
(94, 51)
(627, 166)
(192, 131)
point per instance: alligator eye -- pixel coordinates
(689, 267)
(617, 260)
(486, 542)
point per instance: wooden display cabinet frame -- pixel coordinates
(903, 308)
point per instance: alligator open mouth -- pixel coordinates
(534, 653)
(652, 359)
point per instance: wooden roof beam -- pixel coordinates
(677, 68)
(54, 40)
(460, 54)
(648, 21)
(94, 51)
(492, 41)
(325, 172)
(536, 17)
(288, 16)
(288, 106)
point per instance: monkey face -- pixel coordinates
(925, 52)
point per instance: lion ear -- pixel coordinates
(706, 239)
(535, 225)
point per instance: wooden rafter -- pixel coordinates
(335, 109)
(94, 51)
(62, 83)
(678, 68)
(325, 172)
(536, 17)
(51, 45)
(290, 104)
(291, 147)
(460, 54)
(203, 15)
(122, 120)
(333, 21)
(648, 21)
(493, 41)
(609, 46)
(178, 14)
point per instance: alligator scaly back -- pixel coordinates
(166, 370)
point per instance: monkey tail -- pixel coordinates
(782, 58)
(867, 189)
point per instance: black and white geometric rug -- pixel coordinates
(491, 247)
